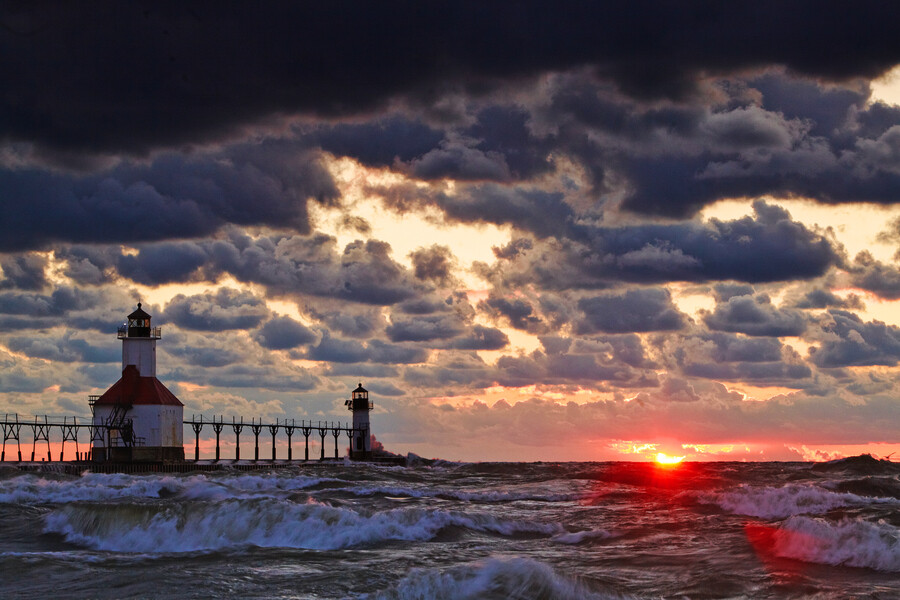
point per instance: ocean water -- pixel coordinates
(458, 531)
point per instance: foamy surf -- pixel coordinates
(786, 501)
(848, 542)
(208, 526)
(514, 579)
(486, 531)
(34, 489)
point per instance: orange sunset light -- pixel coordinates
(665, 459)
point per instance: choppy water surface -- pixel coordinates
(448, 530)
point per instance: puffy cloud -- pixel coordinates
(23, 272)
(434, 263)
(480, 338)
(348, 351)
(225, 309)
(517, 311)
(821, 298)
(425, 328)
(849, 341)
(283, 333)
(64, 348)
(172, 196)
(770, 246)
(639, 310)
(875, 276)
(755, 316)
(364, 272)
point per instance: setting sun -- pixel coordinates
(665, 459)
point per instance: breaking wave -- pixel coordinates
(577, 537)
(206, 526)
(33, 489)
(849, 542)
(483, 497)
(494, 578)
(786, 501)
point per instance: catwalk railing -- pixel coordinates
(48, 430)
(288, 427)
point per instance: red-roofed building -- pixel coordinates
(138, 418)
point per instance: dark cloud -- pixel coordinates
(734, 348)
(222, 310)
(821, 298)
(434, 263)
(378, 143)
(766, 373)
(376, 351)
(638, 310)
(359, 370)
(755, 316)
(23, 272)
(425, 328)
(201, 68)
(204, 356)
(283, 333)
(849, 341)
(162, 263)
(725, 291)
(172, 196)
(518, 312)
(351, 320)
(513, 249)
(363, 273)
(58, 303)
(875, 276)
(480, 338)
(64, 348)
(590, 369)
(769, 246)
(357, 224)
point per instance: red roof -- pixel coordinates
(133, 389)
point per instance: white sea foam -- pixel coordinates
(33, 489)
(201, 526)
(517, 578)
(785, 501)
(849, 542)
(577, 537)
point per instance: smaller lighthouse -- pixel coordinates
(361, 442)
(138, 418)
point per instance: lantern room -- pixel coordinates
(361, 442)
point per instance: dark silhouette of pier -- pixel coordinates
(45, 431)
(288, 427)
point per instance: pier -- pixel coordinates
(46, 439)
(138, 424)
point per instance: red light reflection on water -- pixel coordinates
(768, 540)
(652, 477)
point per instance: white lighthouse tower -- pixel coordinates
(138, 418)
(361, 442)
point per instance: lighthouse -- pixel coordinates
(138, 418)
(361, 441)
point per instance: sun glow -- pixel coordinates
(665, 459)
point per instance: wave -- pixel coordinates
(33, 489)
(785, 501)
(577, 537)
(516, 578)
(482, 497)
(864, 464)
(849, 542)
(207, 526)
(869, 486)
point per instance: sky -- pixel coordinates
(560, 231)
